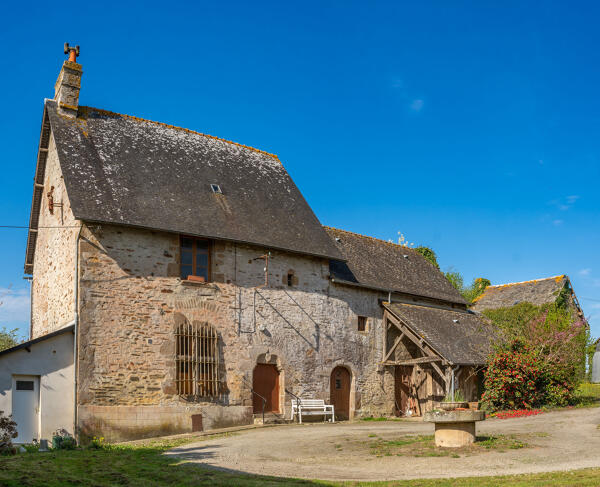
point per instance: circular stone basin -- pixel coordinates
(454, 428)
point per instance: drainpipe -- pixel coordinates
(29, 279)
(76, 330)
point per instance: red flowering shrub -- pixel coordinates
(514, 379)
(540, 357)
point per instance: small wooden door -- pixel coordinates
(340, 392)
(265, 381)
(403, 377)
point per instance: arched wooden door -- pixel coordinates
(340, 392)
(265, 381)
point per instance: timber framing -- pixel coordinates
(430, 355)
(414, 361)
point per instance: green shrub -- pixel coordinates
(514, 379)
(62, 440)
(31, 447)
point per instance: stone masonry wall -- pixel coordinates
(52, 287)
(132, 296)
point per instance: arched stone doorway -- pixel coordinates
(265, 381)
(340, 392)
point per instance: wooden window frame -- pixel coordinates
(195, 241)
(362, 321)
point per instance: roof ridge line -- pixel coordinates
(531, 280)
(369, 237)
(140, 119)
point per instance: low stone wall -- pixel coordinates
(122, 423)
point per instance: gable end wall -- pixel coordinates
(54, 261)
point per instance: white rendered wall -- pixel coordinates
(52, 361)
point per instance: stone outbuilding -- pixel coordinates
(202, 289)
(537, 292)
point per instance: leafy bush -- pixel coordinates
(32, 447)
(62, 440)
(541, 359)
(8, 431)
(514, 379)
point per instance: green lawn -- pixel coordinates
(588, 395)
(144, 465)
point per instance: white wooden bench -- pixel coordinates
(309, 407)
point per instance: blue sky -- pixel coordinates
(470, 127)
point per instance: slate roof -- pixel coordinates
(391, 267)
(125, 170)
(537, 292)
(466, 342)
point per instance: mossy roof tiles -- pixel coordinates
(376, 263)
(125, 170)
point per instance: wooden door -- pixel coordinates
(340, 392)
(265, 381)
(403, 377)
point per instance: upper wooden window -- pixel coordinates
(362, 323)
(195, 258)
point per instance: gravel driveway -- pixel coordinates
(561, 440)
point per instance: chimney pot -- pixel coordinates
(68, 84)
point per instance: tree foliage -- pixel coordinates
(429, 255)
(471, 292)
(9, 338)
(456, 280)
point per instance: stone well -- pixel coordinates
(454, 428)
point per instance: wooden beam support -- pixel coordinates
(437, 368)
(419, 341)
(414, 361)
(394, 346)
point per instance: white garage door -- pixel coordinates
(26, 407)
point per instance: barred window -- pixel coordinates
(197, 361)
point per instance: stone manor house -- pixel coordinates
(181, 281)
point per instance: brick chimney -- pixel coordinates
(66, 89)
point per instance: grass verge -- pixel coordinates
(424, 446)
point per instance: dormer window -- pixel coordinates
(195, 259)
(216, 188)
